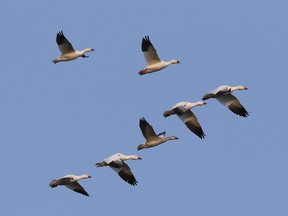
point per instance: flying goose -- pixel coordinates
(224, 96)
(152, 139)
(67, 50)
(182, 110)
(70, 181)
(116, 162)
(153, 61)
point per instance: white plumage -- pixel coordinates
(152, 139)
(224, 96)
(71, 182)
(182, 110)
(67, 50)
(116, 162)
(153, 61)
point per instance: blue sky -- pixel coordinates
(61, 119)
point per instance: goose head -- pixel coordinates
(84, 51)
(240, 87)
(244, 87)
(88, 49)
(174, 61)
(87, 176)
(201, 103)
(173, 138)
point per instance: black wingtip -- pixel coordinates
(146, 37)
(60, 34)
(243, 114)
(142, 120)
(202, 136)
(145, 43)
(240, 111)
(81, 192)
(197, 130)
(60, 37)
(133, 182)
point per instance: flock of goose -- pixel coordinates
(182, 109)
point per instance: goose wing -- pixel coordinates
(162, 134)
(232, 103)
(191, 121)
(64, 45)
(116, 164)
(149, 51)
(75, 186)
(146, 128)
(125, 173)
(61, 181)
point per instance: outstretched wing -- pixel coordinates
(64, 45)
(191, 121)
(232, 103)
(146, 128)
(149, 51)
(126, 174)
(75, 186)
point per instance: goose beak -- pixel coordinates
(92, 49)
(204, 103)
(245, 88)
(176, 138)
(178, 62)
(139, 158)
(89, 176)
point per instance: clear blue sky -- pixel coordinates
(61, 119)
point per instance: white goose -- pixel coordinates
(224, 96)
(67, 50)
(70, 181)
(182, 110)
(116, 162)
(153, 61)
(152, 139)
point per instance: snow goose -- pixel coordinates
(182, 110)
(153, 61)
(70, 181)
(152, 139)
(116, 162)
(224, 96)
(67, 50)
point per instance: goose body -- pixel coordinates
(116, 162)
(182, 110)
(153, 61)
(224, 95)
(71, 182)
(152, 139)
(67, 50)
